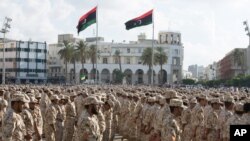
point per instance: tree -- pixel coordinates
(82, 52)
(74, 58)
(161, 59)
(147, 60)
(118, 73)
(92, 52)
(188, 81)
(66, 54)
(117, 56)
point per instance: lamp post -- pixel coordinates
(4, 30)
(247, 30)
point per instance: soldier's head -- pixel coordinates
(33, 103)
(239, 109)
(193, 102)
(229, 102)
(176, 106)
(108, 105)
(54, 99)
(91, 103)
(17, 102)
(203, 99)
(215, 103)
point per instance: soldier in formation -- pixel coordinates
(98, 113)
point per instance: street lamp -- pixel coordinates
(4, 30)
(247, 30)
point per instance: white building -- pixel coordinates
(187, 75)
(248, 60)
(210, 72)
(197, 71)
(25, 61)
(132, 66)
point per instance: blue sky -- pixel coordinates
(210, 28)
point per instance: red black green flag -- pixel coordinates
(86, 20)
(142, 20)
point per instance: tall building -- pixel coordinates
(210, 71)
(233, 64)
(25, 61)
(130, 53)
(197, 71)
(194, 70)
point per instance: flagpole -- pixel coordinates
(96, 75)
(152, 71)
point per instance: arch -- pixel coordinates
(115, 76)
(93, 74)
(128, 76)
(162, 76)
(139, 76)
(83, 75)
(105, 76)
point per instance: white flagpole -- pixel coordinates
(152, 70)
(96, 75)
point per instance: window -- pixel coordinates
(105, 61)
(139, 50)
(139, 61)
(176, 61)
(128, 50)
(176, 52)
(128, 60)
(116, 60)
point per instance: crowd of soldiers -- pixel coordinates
(98, 113)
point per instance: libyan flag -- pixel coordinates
(86, 20)
(142, 20)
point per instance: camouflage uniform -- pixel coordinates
(197, 120)
(69, 122)
(50, 118)
(38, 122)
(87, 125)
(28, 121)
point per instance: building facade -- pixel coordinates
(233, 64)
(25, 61)
(135, 72)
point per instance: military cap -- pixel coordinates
(33, 100)
(229, 98)
(54, 97)
(193, 100)
(18, 96)
(215, 100)
(176, 103)
(203, 96)
(92, 100)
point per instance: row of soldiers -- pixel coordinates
(98, 113)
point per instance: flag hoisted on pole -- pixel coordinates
(143, 20)
(96, 76)
(85, 21)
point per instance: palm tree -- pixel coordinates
(74, 58)
(160, 58)
(117, 55)
(147, 60)
(92, 56)
(66, 54)
(81, 52)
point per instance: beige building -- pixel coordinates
(135, 72)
